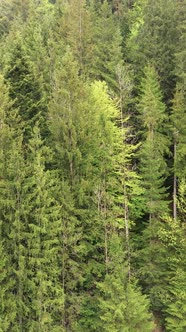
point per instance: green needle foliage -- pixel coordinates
(25, 91)
(123, 307)
(154, 145)
(91, 163)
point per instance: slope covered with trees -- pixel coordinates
(92, 166)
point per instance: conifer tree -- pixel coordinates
(180, 55)
(44, 292)
(153, 172)
(122, 306)
(107, 38)
(7, 307)
(172, 235)
(70, 120)
(76, 29)
(153, 32)
(25, 90)
(154, 145)
(178, 120)
(12, 245)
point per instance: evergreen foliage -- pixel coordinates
(92, 157)
(152, 166)
(24, 89)
(123, 307)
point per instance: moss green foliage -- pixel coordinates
(92, 166)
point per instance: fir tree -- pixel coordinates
(154, 145)
(107, 38)
(178, 129)
(153, 33)
(25, 90)
(44, 291)
(152, 171)
(12, 245)
(122, 306)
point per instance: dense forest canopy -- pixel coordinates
(92, 166)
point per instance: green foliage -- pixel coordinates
(152, 163)
(107, 53)
(25, 91)
(178, 120)
(123, 307)
(43, 220)
(5, 143)
(86, 165)
(154, 39)
(152, 168)
(172, 235)
(180, 68)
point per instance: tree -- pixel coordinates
(122, 306)
(154, 145)
(178, 121)
(73, 124)
(12, 11)
(44, 292)
(78, 29)
(12, 244)
(107, 38)
(153, 32)
(172, 235)
(25, 90)
(180, 67)
(152, 168)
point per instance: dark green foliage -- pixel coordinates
(25, 91)
(123, 307)
(107, 39)
(152, 170)
(44, 226)
(178, 119)
(180, 52)
(154, 145)
(89, 158)
(154, 39)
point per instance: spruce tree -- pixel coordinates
(8, 306)
(25, 90)
(73, 144)
(122, 306)
(44, 292)
(180, 55)
(153, 33)
(152, 169)
(12, 239)
(76, 27)
(178, 121)
(154, 144)
(108, 52)
(172, 235)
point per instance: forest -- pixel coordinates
(92, 165)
